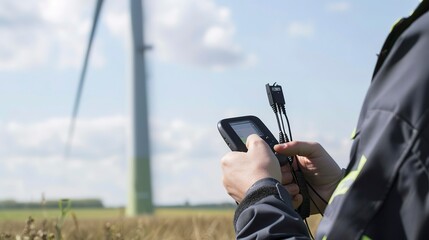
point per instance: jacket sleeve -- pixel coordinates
(267, 213)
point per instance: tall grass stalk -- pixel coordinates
(65, 206)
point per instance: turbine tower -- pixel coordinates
(140, 189)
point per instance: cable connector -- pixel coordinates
(275, 95)
(277, 103)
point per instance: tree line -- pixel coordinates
(48, 204)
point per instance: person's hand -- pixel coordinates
(318, 167)
(242, 169)
(291, 187)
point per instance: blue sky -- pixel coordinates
(210, 59)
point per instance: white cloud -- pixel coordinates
(37, 33)
(301, 29)
(32, 156)
(196, 32)
(55, 33)
(184, 161)
(338, 6)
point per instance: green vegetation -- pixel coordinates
(50, 204)
(108, 213)
(23, 214)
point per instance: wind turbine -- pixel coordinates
(140, 194)
(140, 189)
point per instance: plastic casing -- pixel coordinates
(233, 140)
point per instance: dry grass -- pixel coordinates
(146, 227)
(177, 225)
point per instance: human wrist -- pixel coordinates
(266, 188)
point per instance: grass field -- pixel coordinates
(166, 223)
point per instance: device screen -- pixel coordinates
(244, 129)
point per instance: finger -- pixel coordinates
(297, 148)
(285, 168)
(257, 145)
(287, 178)
(231, 158)
(297, 201)
(253, 139)
(292, 189)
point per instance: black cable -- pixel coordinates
(277, 102)
(283, 125)
(281, 135)
(318, 195)
(82, 79)
(317, 207)
(283, 109)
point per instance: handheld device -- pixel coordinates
(236, 130)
